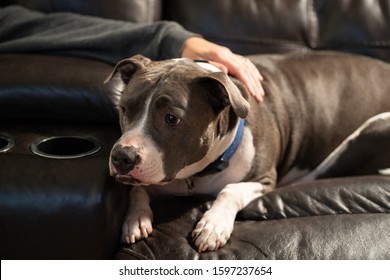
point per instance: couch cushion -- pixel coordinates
(268, 26)
(247, 27)
(345, 218)
(53, 88)
(58, 208)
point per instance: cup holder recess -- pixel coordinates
(6, 143)
(65, 147)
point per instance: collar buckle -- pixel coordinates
(217, 166)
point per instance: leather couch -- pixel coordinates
(58, 123)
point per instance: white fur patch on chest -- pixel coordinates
(239, 165)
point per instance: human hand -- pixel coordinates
(228, 62)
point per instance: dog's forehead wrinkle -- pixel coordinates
(183, 67)
(173, 88)
(174, 98)
(134, 98)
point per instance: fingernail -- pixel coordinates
(145, 233)
(262, 91)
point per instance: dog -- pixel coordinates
(190, 129)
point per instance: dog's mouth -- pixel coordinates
(128, 180)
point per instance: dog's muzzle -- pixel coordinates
(124, 159)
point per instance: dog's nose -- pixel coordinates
(125, 159)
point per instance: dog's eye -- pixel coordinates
(172, 120)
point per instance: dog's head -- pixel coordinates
(173, 114)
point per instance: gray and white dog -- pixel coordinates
(188, 128)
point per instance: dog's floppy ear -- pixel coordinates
(127, 67)
(223, 92)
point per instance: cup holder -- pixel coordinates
(6, 143)
(65, 147)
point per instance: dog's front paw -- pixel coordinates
(212, 232)
(137, 226)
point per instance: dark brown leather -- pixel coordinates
(331, 219)
(72, 209)
(268, 26)
(58, 209)
(54, 88)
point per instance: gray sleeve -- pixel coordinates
(26, 31)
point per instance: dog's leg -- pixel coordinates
(139, 217)
(216, 225)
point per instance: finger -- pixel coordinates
(144, 232)
(258, 87)
(252, 82)
(245, 74)
(236, 65)
(254, 77)
(132, 238)
(243, 69)
(255, 85)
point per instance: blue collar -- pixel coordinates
(223, 161)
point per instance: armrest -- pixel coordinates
(59, 208)
(55, 88)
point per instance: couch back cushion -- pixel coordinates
(143, 11)
(269, 26)
(247, 27)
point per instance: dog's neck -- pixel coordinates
(218, 155)
(222, 162)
